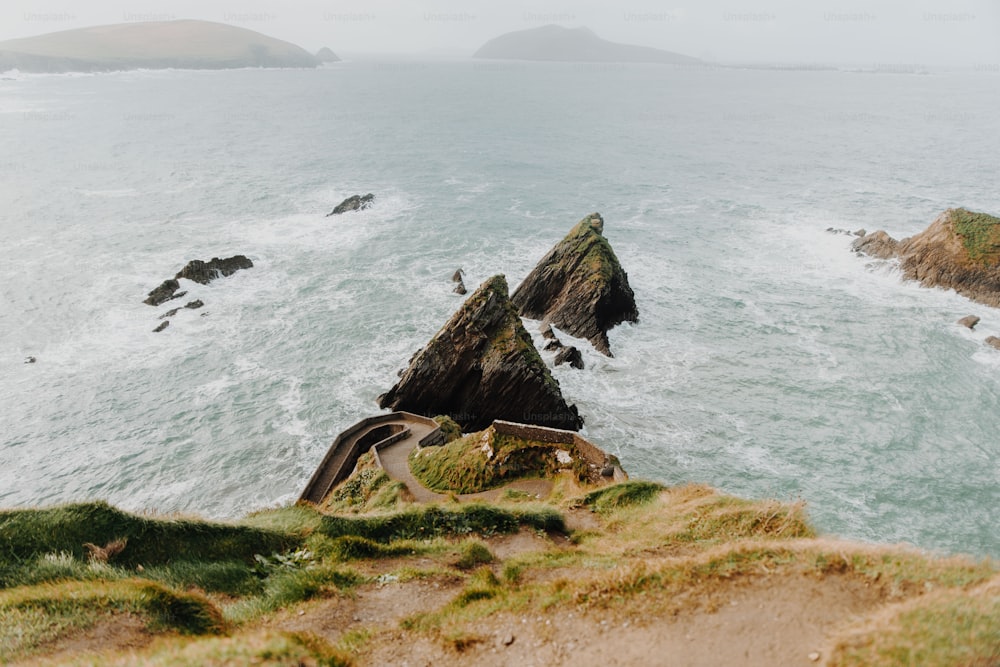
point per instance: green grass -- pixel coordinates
(32, 616)
(436, 521)
(265, 649)
(462, 466)
(25, 535)
(951, 629)
(627, 494)
(980, 235)
(473, 553)
(366, 490)
(449, 428)
(292, 586)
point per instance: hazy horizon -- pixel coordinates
(960, 33)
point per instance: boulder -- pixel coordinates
(993, 341)
(969, 321)
(877, 244)
(197, 303)
(353, 203)
(457, 276)
(165, 292)
(554, 344)
(570, 355)
(163, 325)
(546, 330)
(460, 288)
(205, 272)
(580, 286)
(861, 232)
(480, 367)
(30, 360)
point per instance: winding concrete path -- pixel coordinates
(393, 453)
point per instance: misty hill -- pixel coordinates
(186, 44)
(556, 43)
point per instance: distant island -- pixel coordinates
(182, 44)
(556, 43)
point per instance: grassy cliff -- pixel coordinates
(626, 572)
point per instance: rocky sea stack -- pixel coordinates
(959, 251)
(483, 366)
(580, 286)
(199, 272)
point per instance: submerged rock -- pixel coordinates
(960, 251)
(580, 286)
(163, 325)
(353, 203)
(480, 367)
(993, 341)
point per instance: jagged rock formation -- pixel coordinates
(580, 286)
(960, 251)
(199, 272)
(570, 355)
(353, 203)
(326, 55)
(480, 367)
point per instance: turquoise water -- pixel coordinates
(768, 360)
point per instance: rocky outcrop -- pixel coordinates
(570, 355)
(199, 272)
(205, 272)
(165, 292)
(480, 367)
(959, 251)
(353, 203)
(969, 321)
(580, 286)
(878, 244)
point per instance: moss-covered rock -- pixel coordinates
(580, 286)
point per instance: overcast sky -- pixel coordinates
(925, 32)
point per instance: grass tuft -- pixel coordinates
(626, 494)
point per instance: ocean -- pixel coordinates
(769, 360)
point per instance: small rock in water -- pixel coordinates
(353, 203)
(169, 313)
(166, 323)
(969, 321)
(30, 360)
(861, 232)
(457, 276)
(197, 303)
(554, 344)
(546, 331)
(570, 355)
(460, 288)
(993, 341)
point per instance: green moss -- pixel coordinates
(980, 235)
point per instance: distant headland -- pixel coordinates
(182, 44)
(556, 43)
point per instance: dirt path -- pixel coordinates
(776, 620)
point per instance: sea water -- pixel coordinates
(768, 359)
